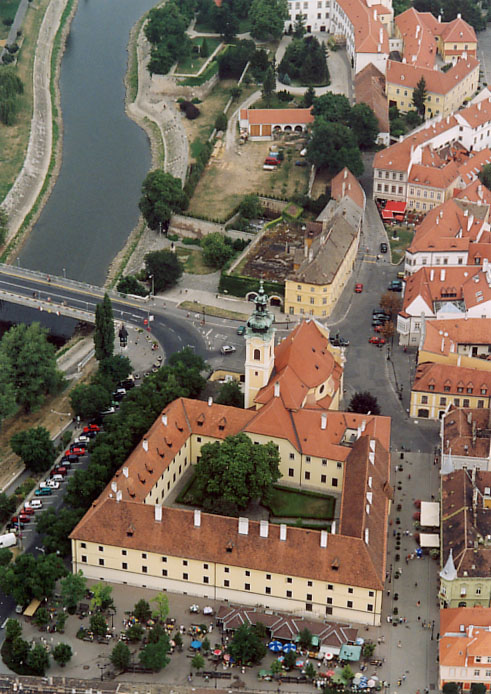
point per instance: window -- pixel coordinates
(101, 562)
(465, 402)
(309, 597)
(292, 456)
(371, 593)
(101, 548)
(184, 562)
(339, 465)
(329, 601)
(198, 439)
(247, 586)
(227, 570)
(289, 580)
(83, 545)
(84, 558)
(268, 577)
(307, 475)
(144, 569)
(443, 401)
(291, 472)
(477, 673)
(205, 567)
(307, 459)
(488, 673)
(206, 579)
(185, 576)
(370, 607)
(350, 590)
(349, 603)
(144, 556)
(324, 461)
(424, 399)
(226, 583)
(164, 572)
(257, 354)
(323, 479)
(247, 573)
(330, 586)
(334, 482)
(267, 590)
(480, 403)
(288, 593)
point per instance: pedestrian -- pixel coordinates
(403, 678)
(388, 593)
(419, 618)
(416, 584)
(399, 644)
(418, 604)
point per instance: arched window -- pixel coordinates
(257, 354)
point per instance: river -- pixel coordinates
(94, 203)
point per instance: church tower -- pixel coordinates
(259, 359)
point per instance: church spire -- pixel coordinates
(261, 321)
(449, 572)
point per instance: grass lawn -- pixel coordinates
(192, 259)
(275, 102)
(8, 8)
(212, 311)
(398, 246)
(193, 63)
(292, 504)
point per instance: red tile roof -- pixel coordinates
(419, 43)
(437, 82)
(280, 116)
(442, 376)
(345, 183)
(446, 227)
(370, 89)
(369, 33)
(460, 426)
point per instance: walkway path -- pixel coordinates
(23, 194)
(151, 104)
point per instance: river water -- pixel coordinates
(106, 156)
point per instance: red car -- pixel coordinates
(27, 510)
(76, 450)
(358, 288)
(23, 518)
(377, 340)
(92, 427)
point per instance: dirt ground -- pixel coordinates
(233, 173)
(321, 181)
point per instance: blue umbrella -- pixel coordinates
(196, 644)
(289, 647)
(275, 646)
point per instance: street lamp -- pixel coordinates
(151, 277)
(64, 273)
(101, 667)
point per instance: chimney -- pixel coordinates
(459, 16)
(158, 513)
(372, 445)
(485, 263)
(164, 420)
(323, 538)
(343, 190)
(466, 213)
(263, 528)
(125, 471)
(479, 106)
(438, 220)
(333, 527)
(323, 420)
(145, 444)
(277, 389)
(114, 486)
(197, 518)
(432, 275)
(243, 526)
(381, 35)
(363, 425)
(375, 15)
(366, 536)
(439, 19)
(119, 496)
(442, 275)
(282, 532)
(210, 401)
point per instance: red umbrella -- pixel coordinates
(217, 651)
(330, 673)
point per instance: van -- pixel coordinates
(58, 478)
(43, 491)
(36, 503)
(272, 161)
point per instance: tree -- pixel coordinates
(5, 556)
(290, 660)
(451, 688)
(333, 146)
(364, 125)
(104, 329)
(268, 18)
(204, 50)
(178, 640)
(154, 655)
(134, 632)
(165, 268)
(368, 649)
(35, 448)
(205, 646)
(112, 370)
(162, 195)
(88, 401)
(101, 598)
(246, 646)
(308, 97)
(391, 303)
(98, 624)
(250, 207)
(310, 671)
(166, 31)
(478, 688)
(230, 394)
(225, 21)
(7, 507)
(198, 662)
(276, 667)
(269, 85)
(305, 638)
(216, 250)
(42, 617)
(419, 97)
(221, 122)
(347, 673)
(305, 60)
(231, 473)
(62, 653)
(13, 629)
(120, 656)
(38, 660)
(364, 403)
(156, 633)
(142, 610)
(130, 285)
(56, 525)
(299, 29)
(334, 108)
(484, 176)
(388, 330)
(31, 366)
(161, 610)
(8, 404)
(73, 589)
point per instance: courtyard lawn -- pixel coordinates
(288, 503)
(8, 8)
(193, 63)
(193, 262)
(398, 246)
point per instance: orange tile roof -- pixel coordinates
(345, 183)
(477, 289)
(477, 114)
(273, 116)
(471, 168)
(460, 425)
(437, 82)
(443, 336)
(434, 177)
(480, 251)
(430, 283)
(446, 227)
(475, 192)
(458, 31)
(419, 44)
(370, 89)
(369, 33)
(443, 376)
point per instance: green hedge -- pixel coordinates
(240, 285)
(211, 70)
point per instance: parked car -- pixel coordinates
(227, 349)
(377, 340)
(272, 161)
(82, 439)
(339, 341)
(301, 162)
(43, 491)
(28, 511)
(59, 470)
(36, 503)
(241, 330)
(22, 518)
(380, 315)
(92, 427)
(52, 484)
(384, 248)
(358, 288)
(110, 410)
(395, 286)
(77, 450)
(69, 459)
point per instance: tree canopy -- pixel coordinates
(73, 589)
(420, 94)
(268, 18)
(104, 329)
(233, 60)
(166, 31)
(53, 525)
(28, 365)
(217, 249)
(231, 473)
(11, 87)
(364, 124)
(230, 394)
(162, 195)
(305, 60)
(154, 655)
(246, 646)
(120, 656)
(35, 447)
(484, 176)
(31, 577)
(165, 268)
(364, 403)
(334, 146)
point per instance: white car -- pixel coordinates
(82, 439)
(51, 483)
(34, 503)
(227, 349)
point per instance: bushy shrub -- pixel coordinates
(189, 109)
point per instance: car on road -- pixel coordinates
(377, 340)
(110, 410)
(43, 491)
(76, 450)
(395, 286)
(383, 247)
(339, 341)
(82, 439)
(379, 321)
(92, 427)
(69, 459)
(358, 288)
(227, 349)
(380, 315)
(241, 330)
(301, 162)
(59, 470)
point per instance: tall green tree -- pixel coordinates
(142, 610)
(165, 268)
(485, 176)
(98, 624)
(230, 394)
(334, 108)
(38, 660)
(364, 125)
(231, 473)
(161, 610)
(7, 507)
(73, 588)
(216, 250)
(268, 18)
(120, 656)
(56, 527)
(31, 577)
(308, 97)
(246, 646)
(363, 403)
(225, 21)
(333, 146)
(88, 400)
(35, 447)
(8, 403)
(197, 661)
(102, 596)
(162, 195)
(165, 29)
(62, 653)
(420, 94)
(104, 329)
(31, 365)
(4, 221)
(154, 655)
(299, 28)
(269, 85)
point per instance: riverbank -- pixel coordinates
(34, 184)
